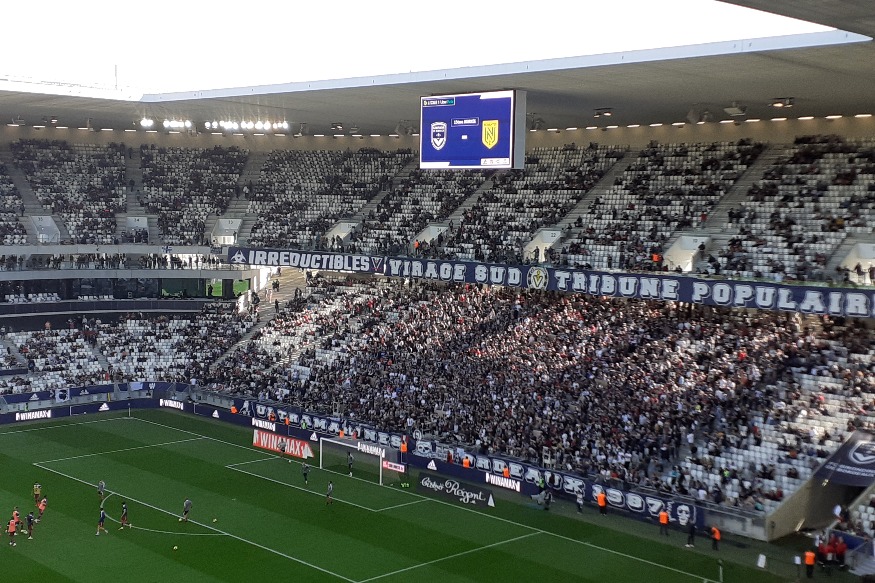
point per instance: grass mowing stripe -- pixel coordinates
(76, 457)
(448, 557)
(299, 488)
(506, 520)
(208, 527)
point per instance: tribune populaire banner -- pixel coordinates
(853, 464)
(806, 299)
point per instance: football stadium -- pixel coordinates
(404, 293)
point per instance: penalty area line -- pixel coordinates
(76, 457)
(306, 490)
(680, 572)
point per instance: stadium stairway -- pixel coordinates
(32, 206)
(134, 171)
(738, 193)
(601, 188)
(290, 279)
(13, 350)
(238, 207)
(842, 251)
(456, 216)
(378, 198)
(252, 169)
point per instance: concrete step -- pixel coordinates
(737, 195)
(601, 188)
(290, 279)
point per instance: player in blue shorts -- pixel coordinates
(100, 521)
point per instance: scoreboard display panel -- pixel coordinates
(473, 130)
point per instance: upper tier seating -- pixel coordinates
(11, 231)
(423, 197)
(187, 185)
(83, 183)
(668, 187)
(508, 214)
(821, 190)
(301, 194)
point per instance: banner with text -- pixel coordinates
(853, 464)
(525, 478)
(281, 444)
(454, 490)
(806, 299)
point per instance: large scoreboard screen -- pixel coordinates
(473, 130)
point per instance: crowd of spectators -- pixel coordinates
(185, 186)
(818, 192)
(733, 408)
(12, 232)
(668, 187)
(83, 183)
(421, 198)
(300, 195)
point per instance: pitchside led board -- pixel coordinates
(473, 130)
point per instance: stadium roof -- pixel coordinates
(642, 86)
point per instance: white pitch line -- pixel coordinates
(208, 527)
(263, 459)
(401, 505)
(308, 491)
(448, 557)
(62, 425)
(76, 457)
(499, 518)
(155, 530)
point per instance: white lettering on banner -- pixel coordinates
(263, 424)
(393, 466)
(371, 449)
(271, 442)
(454, 488)
(502, 482)
(171, 403)
(31, 415)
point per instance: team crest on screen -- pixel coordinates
(438, 135)
(537, 278)
(863, 452)
(490, 133)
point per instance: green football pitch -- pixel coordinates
(254, 517)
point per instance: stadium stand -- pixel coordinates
(84, 184)
(184, 186)
(734, 408)
(518, 203)
(301, 194)
(423, 198)
(821, 190)
(667, 188)
(142, 348)
(11, 231)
